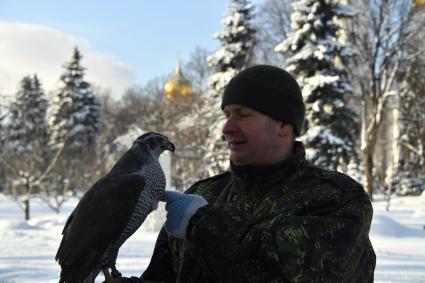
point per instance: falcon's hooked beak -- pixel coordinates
(169, 146)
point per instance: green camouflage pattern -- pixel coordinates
(289, 222)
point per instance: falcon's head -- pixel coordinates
(154, 142)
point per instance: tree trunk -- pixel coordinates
(27, 209)
(27, 201)
(367, 152)
(368, 167)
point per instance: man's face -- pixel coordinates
(253, 137)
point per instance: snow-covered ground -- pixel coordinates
(398, 237)
(27, 249)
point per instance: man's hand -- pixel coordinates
(180, 208)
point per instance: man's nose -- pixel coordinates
(229, 127)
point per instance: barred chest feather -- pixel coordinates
(148, 201)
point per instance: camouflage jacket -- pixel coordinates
(288, 222)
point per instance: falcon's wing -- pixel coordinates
(97, 221)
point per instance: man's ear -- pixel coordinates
(285, 130)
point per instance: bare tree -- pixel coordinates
(197, 70)
(273, 23)
(409, 161)
(380, 33)
(26, 174)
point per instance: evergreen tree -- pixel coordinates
(74, 120)
(75, 113)
(237, 41)
(316, 54)
(26, 127)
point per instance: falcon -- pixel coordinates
(111, 211)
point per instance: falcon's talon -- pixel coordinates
(115, 273)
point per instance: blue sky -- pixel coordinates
(145, 36)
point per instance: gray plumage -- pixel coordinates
(111, 211)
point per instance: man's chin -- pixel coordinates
(237, 160)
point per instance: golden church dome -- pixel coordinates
(418, 4)
(177, 85)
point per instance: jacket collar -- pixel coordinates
(269, 173)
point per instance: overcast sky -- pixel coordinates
(123, 42)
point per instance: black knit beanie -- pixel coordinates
(269, 90)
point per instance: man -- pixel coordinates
(273, 217)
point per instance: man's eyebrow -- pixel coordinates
(238, 109)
